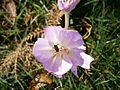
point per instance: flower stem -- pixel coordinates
(66, 20)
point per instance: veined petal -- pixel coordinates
(70, 38)
(42, 50)
(51, 65)
(67, 5)
(58, 66)
(64, 67)
(75, 57)
(72, 5)
(60, 4)
(87, 59)
(52, 33)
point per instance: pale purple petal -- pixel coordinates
(42, 50)
(87, 60)
(52, 65)
(67, 6)
(58, 66)
(70, 38)
(64, 67)
(60, 4)
(52, 33)
(73, 5)
(75, 57)
(74, 70)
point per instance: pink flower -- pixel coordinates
(61, 50)
(67, 5)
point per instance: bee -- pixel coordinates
(56, 48)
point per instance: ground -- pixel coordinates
(23, 24)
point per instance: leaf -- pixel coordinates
(27, 19)
(11, 8)
(53, 17)
(40, 80)
(28, 16)
(88, 27)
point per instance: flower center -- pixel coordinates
(56, 48)
(61, 49)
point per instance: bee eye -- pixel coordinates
(56, 48)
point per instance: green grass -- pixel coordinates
(104, 46)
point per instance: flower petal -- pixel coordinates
(42, 50)
(52, 33)
(70, 38)
(74, 70)
(87, 59)
(82, 47)
(64, 67)
(51, 65)
(60, 4)
(75, 57)
(67, 5)
(58, 66)
(73, 5)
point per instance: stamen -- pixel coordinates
(59, 49)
